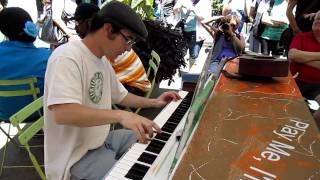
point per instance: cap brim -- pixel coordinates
(138, 37)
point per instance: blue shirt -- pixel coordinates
(20, 60)
(227, 50)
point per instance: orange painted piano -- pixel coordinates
(253, 129)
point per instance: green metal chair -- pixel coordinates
(154, 63)
(26, 134)
(32, 91)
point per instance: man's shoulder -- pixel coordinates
(70, 49)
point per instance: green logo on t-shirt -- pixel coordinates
(96, 87)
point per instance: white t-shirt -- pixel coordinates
(75, 75)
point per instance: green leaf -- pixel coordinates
(135, 3)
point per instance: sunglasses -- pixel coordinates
(128, 40)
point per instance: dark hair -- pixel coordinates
(12, 23)
(98, 22)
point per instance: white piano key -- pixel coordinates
(164, 115)
(131, 157)
(115, 174)
(123, 166)
(121, 171)
(114, 178)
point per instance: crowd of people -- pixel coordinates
(97, 67)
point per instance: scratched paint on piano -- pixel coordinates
(254, 130)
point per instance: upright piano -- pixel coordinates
(253, 129)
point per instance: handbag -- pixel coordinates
(50, 32)
(180, 25)
(258, 27)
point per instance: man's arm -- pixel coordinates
(315, 64)
(291, 17)
(132, 100)
(300, 56)
(83, 116)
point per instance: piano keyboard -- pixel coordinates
(144, 159)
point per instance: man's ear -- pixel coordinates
(108, 28)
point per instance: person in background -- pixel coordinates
(62, 10)
(80, 87)
(300, 22)
(128, 66)
(194, 11)
(228, 42)
(164, 10)
(275, 23)
(241, 7)
(259, 7)
(304, 56)
(19, 57)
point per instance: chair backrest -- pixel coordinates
(28, 133)
(32, 90)
(27, 111)
(154, 63)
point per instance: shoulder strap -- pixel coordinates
(271, 4)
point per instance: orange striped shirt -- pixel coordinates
(130, 71)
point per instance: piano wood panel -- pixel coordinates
(239, 134)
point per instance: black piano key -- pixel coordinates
(174, 118)
(168, 128)
(180, 113)
(157, 143)
(174, 121)
(131, 175)
(153, 149)
(137, 171)
(140, 168)
(155, 146)
(147, 158)
(170, 125)
(163, 136)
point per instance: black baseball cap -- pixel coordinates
(85, 11)
(123, 16)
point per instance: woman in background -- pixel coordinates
(19, 57)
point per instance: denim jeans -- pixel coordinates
(193, 45)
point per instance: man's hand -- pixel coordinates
(310, 16)
(165, 98)
(143, 127)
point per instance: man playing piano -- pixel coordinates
(80, 86)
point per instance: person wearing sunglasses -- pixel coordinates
(128, 66)
(80, 87)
